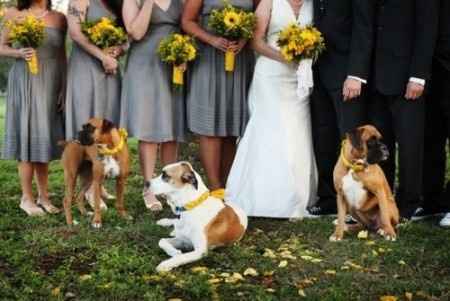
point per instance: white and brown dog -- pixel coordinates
(101, 151)
(361, 186)
(205, 220)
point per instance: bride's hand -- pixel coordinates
(237, 46)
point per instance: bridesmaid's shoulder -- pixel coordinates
(59, 19)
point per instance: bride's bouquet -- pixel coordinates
(178, 50)
(28, 32)
(104, 33)
(234, 24)
(301, 45)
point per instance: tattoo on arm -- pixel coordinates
(75, 12)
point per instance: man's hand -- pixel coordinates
(351, 89)
(414, 91)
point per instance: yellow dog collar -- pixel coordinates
(356, 167)
(105, 151)
(218, 194)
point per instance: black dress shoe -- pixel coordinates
(322, 211)
(424, 213)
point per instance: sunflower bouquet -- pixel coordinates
(104, 33)
(177, 49)
(234, 24)
(298, 43)
(28, 32)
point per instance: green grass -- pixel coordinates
(43, 259)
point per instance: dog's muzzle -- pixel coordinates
(384, 152)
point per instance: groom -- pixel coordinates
(337, 103)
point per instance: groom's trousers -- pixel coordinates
(331, 119)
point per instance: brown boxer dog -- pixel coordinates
(100, 151)
(362, 188)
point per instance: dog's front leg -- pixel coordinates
(97, 171)
(70, 181)
(200, 250)
(120, 191)
(342, 211)
(167, 222)
(171, 246)
(386, 230)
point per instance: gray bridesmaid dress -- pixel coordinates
(90, 91)
(216, 99)
(33, 123)
(152, 109)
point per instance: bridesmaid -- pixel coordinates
(217, 100)
(93, 79)
(152, 110)
(33, 121)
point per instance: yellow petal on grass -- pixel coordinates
(269, 273)
(388, 298)
(330, 272)
(175, 299)
(85, 277)
(401, 262)
(269, 253)
(251, 272)
(408, 296)
(363, 234)
(236, 277)
(56, 291)
(224, 275)
(306, 257)
(214, 280)
(370, 243)
(374, 253)
(316, 260)
(199, 269)
(270, 290)
(283, 264)
(301, 293)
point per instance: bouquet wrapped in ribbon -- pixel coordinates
(301, 45)
(177, 49)
(28, 32)
(234, 24)
(104, 33)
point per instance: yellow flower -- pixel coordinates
(231, 19)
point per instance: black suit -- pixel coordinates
(404, 43)
(347, 26)
(437, 126)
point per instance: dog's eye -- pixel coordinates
(165, 177)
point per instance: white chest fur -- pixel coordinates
(354, 191)
(111, 167)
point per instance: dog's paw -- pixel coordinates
(96, 225)
(335, 238)
(387, 236)
(164, 222)
(164, 266)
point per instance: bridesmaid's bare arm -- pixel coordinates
(5, 49)
(258, 43)
(189, 23)
(76, 14)
(137, 19)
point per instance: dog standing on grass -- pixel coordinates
(100, 151)
(205, 220)
(361, 186)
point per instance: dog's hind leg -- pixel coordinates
(70, 181)
(86, 181)
(97, 181)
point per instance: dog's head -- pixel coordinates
(97, 130)
(179, 183)
(366, 145)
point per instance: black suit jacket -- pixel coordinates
(404, 44)
(443, 44)
(347, 26)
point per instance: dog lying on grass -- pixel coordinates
(205, 220)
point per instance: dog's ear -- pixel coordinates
(188, 177)
(355, 137)
(107, 126)
(85, 138)
(87, 127)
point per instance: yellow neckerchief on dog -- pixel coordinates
(105, 151)
(218, 194)
(356, 167)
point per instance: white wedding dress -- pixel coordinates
(274, 173)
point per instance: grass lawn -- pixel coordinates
(43, 259)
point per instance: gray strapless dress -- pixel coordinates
(152, 110)
(33, 123)
(216, 99)
(90, 91)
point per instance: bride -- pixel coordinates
(274, 172)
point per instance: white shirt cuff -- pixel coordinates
(416, 80)
(357, 78)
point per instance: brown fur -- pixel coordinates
(81, 161)
(224, 229)
(379, 210)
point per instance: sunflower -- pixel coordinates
(231, 19)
